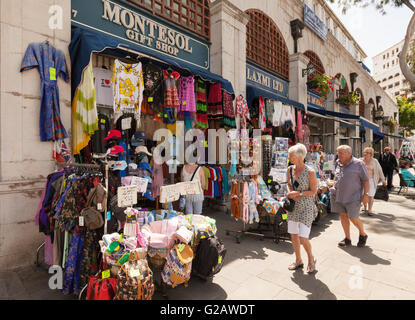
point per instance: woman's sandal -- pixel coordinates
(312, 267)
(296, 266)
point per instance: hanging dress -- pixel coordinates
(228, 110)
(201, 105)
(51, 64)
(242, 111)
(262, 120)
(214, 109)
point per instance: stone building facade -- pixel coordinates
(25, 162)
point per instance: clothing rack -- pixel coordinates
(104, 166)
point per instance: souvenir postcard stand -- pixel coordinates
(247, 174)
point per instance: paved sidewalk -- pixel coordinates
(257, 269)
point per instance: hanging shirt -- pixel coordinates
(128, 85)
(299, 126)
(103, 86)
(86, 106)
(51, 64)
(187, 98)
(276, 118)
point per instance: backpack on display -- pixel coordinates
(209, 259)
(135, 281)
(178, 267)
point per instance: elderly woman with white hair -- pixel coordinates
(302, 188)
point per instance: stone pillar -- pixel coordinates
(298, 83)
(336, 108)
(228, 49)
(25, 161)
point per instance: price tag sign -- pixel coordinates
(127, 196)
(103, 121)
(181, 248)
(126, 124)
(81, 221)
(284, 217)
(220, 260)
(52, 73)
(106, 274)
(140, 183)
(150, 99)
(99, 206)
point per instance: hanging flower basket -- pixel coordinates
(349, 99)
(391, 124)
(321, 83)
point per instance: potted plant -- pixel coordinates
(321, 84)
(349, 99)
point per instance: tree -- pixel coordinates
(380, 4)
(406, 114)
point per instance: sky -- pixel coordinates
(373, 31)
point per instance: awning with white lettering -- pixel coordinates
(85, 42)
(253, 92)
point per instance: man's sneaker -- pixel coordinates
(362, 241)
(345, 242)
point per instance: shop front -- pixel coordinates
(126, 201)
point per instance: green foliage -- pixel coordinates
(352, 98)
(379, 4)
(406, 113)
(322, 84)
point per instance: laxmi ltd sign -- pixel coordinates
(266, 81)
(127, 23)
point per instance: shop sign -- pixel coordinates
(266, 81)
(314, 100)
(312, 21)
(130, 25)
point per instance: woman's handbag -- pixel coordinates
(382, 193)
(101, 289)
(289, 204)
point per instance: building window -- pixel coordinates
(361, 103)
(384, 88)
(384, 57)
(397, 75)
(265, 44)
(378, 82)
(397, 93)
(193, 15)
(397, 84)
(316, 62)
(384, 80)
(390, 86)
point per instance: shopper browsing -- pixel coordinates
(302, 188)
(375, 173)
(351, 180)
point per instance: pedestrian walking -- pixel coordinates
(375, 173)
(351, 180)
(389, 165)
(302, 188)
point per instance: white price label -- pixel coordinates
(81, 221)
(126, 123)
(99, 206)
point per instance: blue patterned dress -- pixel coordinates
(51, 64)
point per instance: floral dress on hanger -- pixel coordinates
(242, 110)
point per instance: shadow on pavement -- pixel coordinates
(365, 255)
(323, 224)
(308, 282)
(402, 227)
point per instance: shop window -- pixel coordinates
(193, 15)
(265, 44)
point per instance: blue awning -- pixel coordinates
(253, 92)
(393, 136)
(85, 42)
(367, 124)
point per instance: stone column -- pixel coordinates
(298, 83)
(228, 49)
(336, 108)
